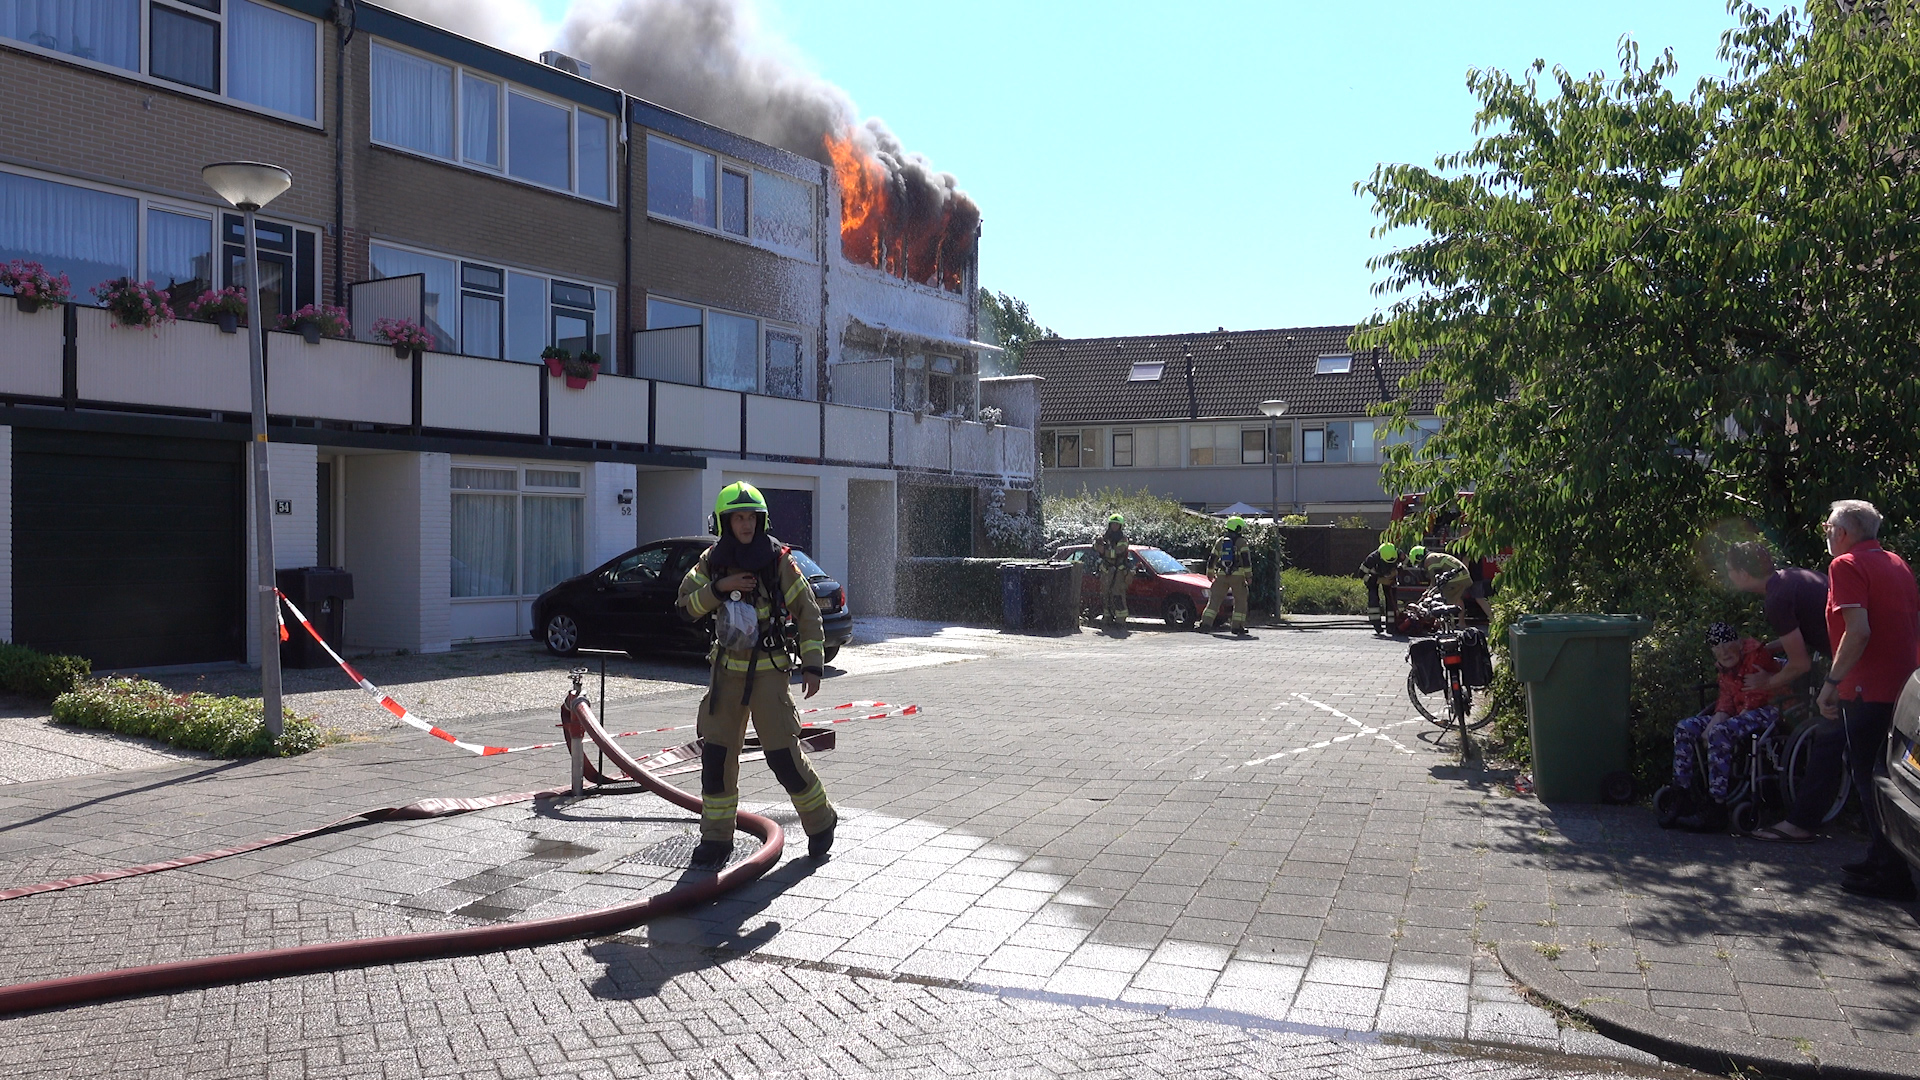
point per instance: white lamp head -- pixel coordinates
(1273, 407)
(248, 185)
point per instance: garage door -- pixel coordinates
(792, 513)
(128, 550)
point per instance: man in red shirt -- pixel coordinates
(1873, 619)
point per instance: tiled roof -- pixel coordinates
(1233, 372)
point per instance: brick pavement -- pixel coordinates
(1068, 831)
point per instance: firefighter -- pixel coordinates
(1447, 573)
(1381, 569)
(765, 621)
(1230, 568)
(1111, 563)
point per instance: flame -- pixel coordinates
(929, 245)
(863, 200)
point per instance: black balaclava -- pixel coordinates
(754, 556)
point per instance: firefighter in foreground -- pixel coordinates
(765, 617)
(1381, 569)
(1230, 568)
(1111, 563)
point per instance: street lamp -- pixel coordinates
(248, 186)
(1274, 409)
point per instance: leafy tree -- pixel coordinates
(1014, 323)
(1650, 313)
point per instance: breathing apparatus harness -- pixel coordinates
(781, 634)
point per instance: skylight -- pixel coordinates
(1146, 371)
(1339, 364)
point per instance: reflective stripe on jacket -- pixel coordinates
(698, 599)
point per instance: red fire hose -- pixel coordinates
(578, 721)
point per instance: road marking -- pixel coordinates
(1377, 733)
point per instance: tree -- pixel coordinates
(1014, 324)
(1649, 313)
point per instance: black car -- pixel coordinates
(628, 603)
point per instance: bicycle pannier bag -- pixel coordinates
(1476, 660)
(1429, 676)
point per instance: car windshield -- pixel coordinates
(808, 566)
(1159, 561)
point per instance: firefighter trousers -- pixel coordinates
(723, 728)
(1113, 590)
(1227, 586)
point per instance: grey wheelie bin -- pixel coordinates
(1575, 668)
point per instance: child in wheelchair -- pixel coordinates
(1738, 714)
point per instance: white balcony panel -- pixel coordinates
(696, 417)
(610, 409)
(857, 434)
(338, 380)
(979, 449)
(184, 365)
(471, 394)
(921, 443)
(31, 346)
(784, 426)
(1020, 452)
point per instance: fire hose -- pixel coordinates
(579, 723)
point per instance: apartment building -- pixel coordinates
(507, 206)
(1180, 415)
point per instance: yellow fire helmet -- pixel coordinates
(1235, 523)
(739, 496)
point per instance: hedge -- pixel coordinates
(1319, 594)
(222, 726)
(36, 674)
(963, 591)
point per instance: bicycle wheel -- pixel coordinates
(1432, 706)
(1799, 766)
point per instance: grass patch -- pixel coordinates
(1551, 952)
(1320, 594)
(36, 674)
(230, 727)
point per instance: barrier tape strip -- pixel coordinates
(386, 702)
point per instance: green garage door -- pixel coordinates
(128, 550)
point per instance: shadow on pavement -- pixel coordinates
(189, 778)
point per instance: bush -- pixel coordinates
(221, 726)
(1319, 594)
(36, 674)
(951, 590)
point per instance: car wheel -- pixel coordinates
(563, 634)
(832, 651)
(1180, 613)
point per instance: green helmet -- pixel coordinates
(1389, 552)
(1116, 519)
(1418, 553)
(739, 496)
(1235, 522)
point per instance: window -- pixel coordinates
(442, 289)
(732, 346)
(270, 60)
(502, 313)
(785, 375)
(1122, 449)
(782, 213)
(515, 532)
(1340, 442)
(549, 143)
(1153, 447)
(1253, 446)
(1422, 430)
(179, 254)
(1067, 455)
(103, 31)
(738, 352)
(940, 385)
(1070, 449)
(1362, 441)
(88, 235)
(1313, 447)
(184, 48)
(1215, 444)
(1333, 365)
(537, 147)
(641, 566)
(679, 182)
(733, 202)
(1146, 371)
(573, 317)
(667, 315)
(1282, 443)
(482, 310)
(526, 317)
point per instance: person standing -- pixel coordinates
(1381, 569)
(1112, 562)
(1794, 602)
(764, 616)
(1230, 568)
(1873, 619)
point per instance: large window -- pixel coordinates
(1339, 442)
(498, 127)
(1070, 449)
(515, 531)
(739, 352)
(249, 52)
(699, 188)
(88, 235)
(502, 313)
(1225, 444)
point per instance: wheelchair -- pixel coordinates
(1769, 768)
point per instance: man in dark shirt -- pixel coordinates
(1796, 609)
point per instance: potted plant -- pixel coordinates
(226, 307)
(582, 369)
(555, 358)
(991, 415)
(407, 338)
(34, 288)
(314, 322)
(134, 303)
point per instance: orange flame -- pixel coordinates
(863, 200)
(878, 230)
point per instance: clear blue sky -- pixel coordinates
(1159, 168)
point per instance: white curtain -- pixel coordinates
(480, 120)
(482, 544)
(551, 541)
(442, 290)
(537, 141)
(88, 235)
(783, 213)
(412, 102)
(732, 349)
(270, 58)
(104, 31)
(179, 249)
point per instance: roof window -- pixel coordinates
(1338, 364)
(1146, 371)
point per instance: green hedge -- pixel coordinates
(950, 590)
(222, 726)
(36, 674)
(1317, 594)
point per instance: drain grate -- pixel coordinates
(676, 852)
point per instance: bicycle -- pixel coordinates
(1445, 696)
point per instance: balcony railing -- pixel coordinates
(74, 356)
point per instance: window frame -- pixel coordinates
(503, 127)
(522, 490)
(1322, 367)
(506, 270)
(763, 327)
(722, 164)
(1116, 451)
(145, 76)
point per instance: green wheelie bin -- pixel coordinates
(1576, 671)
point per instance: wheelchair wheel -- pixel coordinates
(1616, 787)
(1799, 769)
(1670, 804)
(1746, 817)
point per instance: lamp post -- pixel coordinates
(248, 186)
(1274, 409)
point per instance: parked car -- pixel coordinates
(1161, 586)
(628, 603)
(1898, 789)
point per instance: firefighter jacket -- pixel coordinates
(1231, 555)
(795, 594)
(1110, 552)
(1375, 568)
(1440, 565)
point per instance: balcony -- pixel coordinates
(76, 358)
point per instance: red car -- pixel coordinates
(1161, 585)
